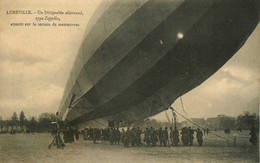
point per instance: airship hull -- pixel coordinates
(155, 52)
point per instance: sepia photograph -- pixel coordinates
(130, 81)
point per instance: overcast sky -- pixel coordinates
(35, 63)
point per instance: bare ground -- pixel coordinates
(33, 148)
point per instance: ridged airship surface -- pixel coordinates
(139, 56)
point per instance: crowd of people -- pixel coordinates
(69, 136)
(152, 136)
(135, 137)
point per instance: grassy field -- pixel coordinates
(33, 148)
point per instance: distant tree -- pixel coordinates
(8, 123)
(14, 117)
(14, 120)
(26, 123)
(247, 120)
(22, 119)
(32, 125)
(1, 124)
(45, 120)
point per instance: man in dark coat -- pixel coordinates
(190, 135)
(118, 135)
(66, 135)
(171, 136)
(76, 132)
(139, 132)
(165, 136)
(123, 136)
(160, 134)
(199, 137)
(71, 135)
(146, 137)
(111, 136)
(154, 136)
(175, 136)
(253, 139)
(185, 136)
(127, 137)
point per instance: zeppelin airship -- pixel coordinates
(138, 56)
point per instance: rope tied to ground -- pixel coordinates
(200, 126)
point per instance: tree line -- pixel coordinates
(43, 123)
(243, 121)
(33, 124)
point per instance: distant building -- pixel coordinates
(198, 121)
(221, 122)
(212, 123)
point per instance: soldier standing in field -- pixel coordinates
(76, 134)
(253, 139)
(127, 137)
(71, 135)
(175, 136)
(146, 136)
(199, 137)
(154, 137)
(160, 134)
(118, 134)
(207, 131)
(171, 136)
(165, 136)
(132, 131)
(185, 136)
(66, 135)
(139, 132)
(94, 136)
(151, 136)
(190, 135)
(123, 136)
(111, 136)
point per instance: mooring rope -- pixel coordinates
(199, 126)
(182, 105)
(141, 122)
(101, 123)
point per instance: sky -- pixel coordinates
(35, 63)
